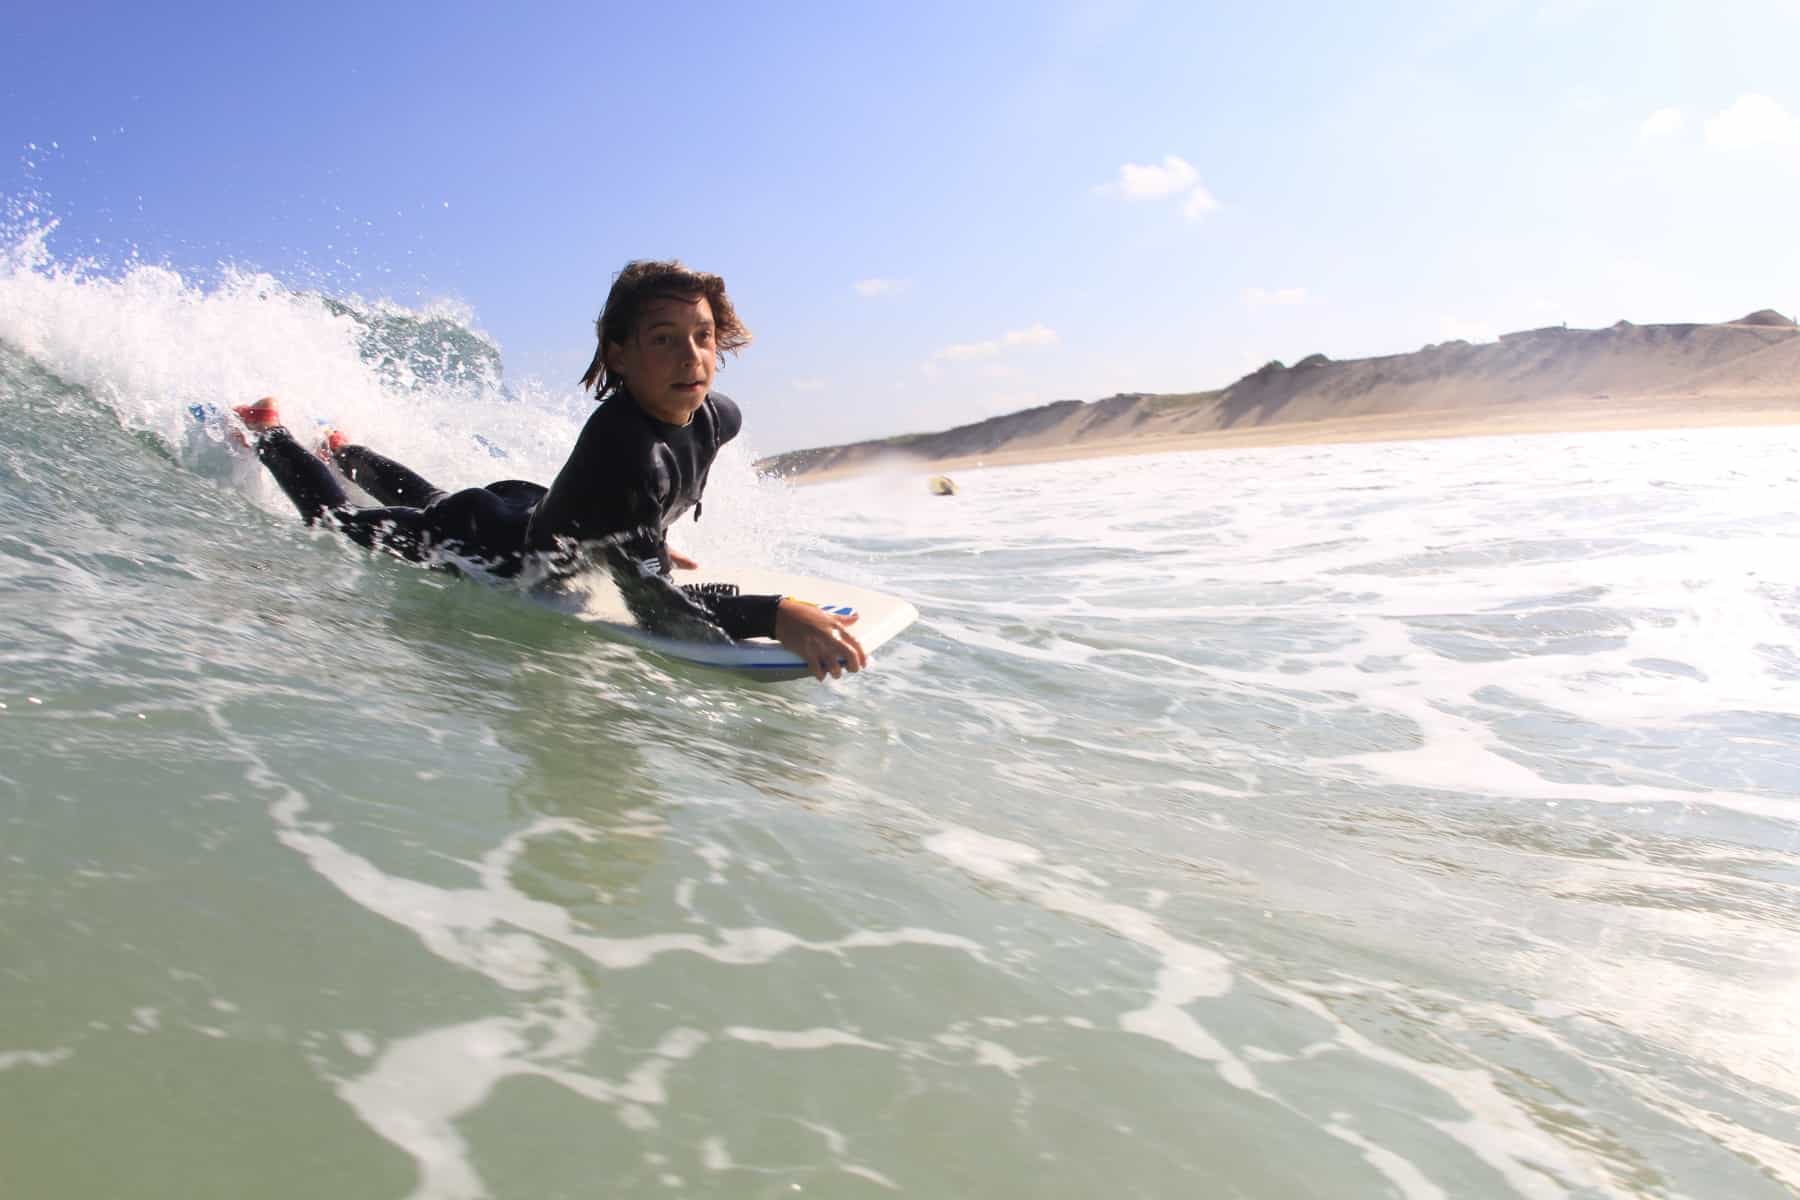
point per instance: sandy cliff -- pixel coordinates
(1635, 375)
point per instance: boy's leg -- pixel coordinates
(318, 495)
(382, 477)
(476, 522)
(307, 481)
(399, 530)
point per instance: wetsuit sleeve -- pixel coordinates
(728, 415)
(742, 616)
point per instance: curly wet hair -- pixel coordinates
(633, 290)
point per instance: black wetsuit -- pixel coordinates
(627, 479)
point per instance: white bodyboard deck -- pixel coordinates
(880, 617)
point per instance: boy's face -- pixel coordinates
(669, 360)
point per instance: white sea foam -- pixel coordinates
(801, 1039)
(1185, 972)
(42, 1059)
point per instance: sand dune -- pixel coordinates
(1540, 380)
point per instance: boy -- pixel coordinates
(640, 462)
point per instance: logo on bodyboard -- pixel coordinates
(836, 610)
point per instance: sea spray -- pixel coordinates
(160, 348)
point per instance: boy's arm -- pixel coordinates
(602, 510)
(585, 502)
(739, 616)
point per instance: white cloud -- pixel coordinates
(1199, 203)
(1753, 122)
(1262, 298)
(1138, 181)
(1174, 176)
(1031, 335)
(1664, 122)
(1014, 339)
(878, 287)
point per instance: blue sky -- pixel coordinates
(932, 213)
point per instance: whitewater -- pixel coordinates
(1411, 820)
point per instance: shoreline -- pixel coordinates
(1381, 427)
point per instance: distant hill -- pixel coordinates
(1750, 363)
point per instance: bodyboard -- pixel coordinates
(880, 617)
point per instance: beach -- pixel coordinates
(1707, 413)
(1550, 380)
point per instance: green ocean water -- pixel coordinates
(1414, 820)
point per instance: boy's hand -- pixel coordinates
(823, 640)
(681, 560)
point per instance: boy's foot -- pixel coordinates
(330, 443)
(259, 416)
